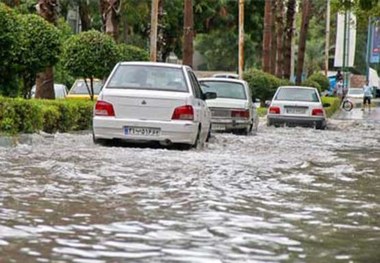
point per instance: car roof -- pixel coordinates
(297, 87)
(223, 80)
(156, 64)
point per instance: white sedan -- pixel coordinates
(148, 101)
(296, 105)
(233, 109)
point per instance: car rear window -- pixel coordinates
(297, 94)
(80, 87)
(231, 90)
(148, 77)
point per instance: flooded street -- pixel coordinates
(284, 195)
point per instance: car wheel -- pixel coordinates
(97, 140)
(197, 139)
(208, 134)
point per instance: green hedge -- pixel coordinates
(30, 116)
(333, 102)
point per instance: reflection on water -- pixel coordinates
(285, 195)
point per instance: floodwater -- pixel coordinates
(284, 195)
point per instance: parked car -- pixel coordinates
(296, 105)
(79, 89)
(233, 110)
(60, 91)
(226, 75)
(148, 101)
(355, 93)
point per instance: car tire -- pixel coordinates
(97, 140)
(197, 139)
(208, 134)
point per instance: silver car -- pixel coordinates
(296, 106)
(152, 102)
(233, 109)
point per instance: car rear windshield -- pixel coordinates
(148, 77)
(231, 90)
(355, 91)
(80, 87)
(297, 94)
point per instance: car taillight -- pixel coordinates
(183, 113)
(274, 110)
(103, 108)
(240, 114)
(317, 112)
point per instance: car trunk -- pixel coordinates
(297, 108)
(144, 104)
(228, 105)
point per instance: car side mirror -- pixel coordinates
(209, 95)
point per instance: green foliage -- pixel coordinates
(263, 85)
(29, 116)
(220, 49)
(9, 50)
(321, 79)
(311, 83)
(132, 53)
(90, 54)
(333, 105)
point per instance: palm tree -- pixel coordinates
(188, 33)
(273, 54)
(306, 14)
(280, 38)
(45, 80)
(267, 36)
(290, 15)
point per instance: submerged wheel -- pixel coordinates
(347, 105)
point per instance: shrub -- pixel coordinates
(132, 53)
(90, 54)
(28, 116)
(263, 85)
(321, 79)
(333, 103)
(311, 83)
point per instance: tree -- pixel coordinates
(280, 38)
(132, 53)
(90, 55)
(110, 10)
(9, 50)
(188, 32)
(267, 37)
(41, 44)
(306, 13)
(290, 15)
(45, 80)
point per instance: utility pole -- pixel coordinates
(327, 44)
(188, 34)
(153, 31)
(241, 38)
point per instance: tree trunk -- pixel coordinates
(45, 84)
(280, 38)
(267, 35)
(45, 80)
(290, 15)
(273, 55)
(84, 14)
(306, 10)
(188, 34)
(109, 10)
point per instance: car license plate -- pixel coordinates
(141, 131)
(217, 127)
(296, 110)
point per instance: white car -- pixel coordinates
(296, 105)
(355, 93)
(60, 91)
(148, 101)
(226, 75)
(233, 109)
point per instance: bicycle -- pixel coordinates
(347, 104)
